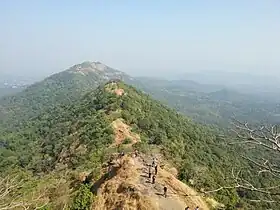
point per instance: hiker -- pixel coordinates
(165, 191)
(109, 169)
(156, 169)
(197, 208)
(150, 172)
(187, 208)
(153, 179)
(154, 162)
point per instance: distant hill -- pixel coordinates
(5, 91)
(60, 88)
(210, 103)
(182, 85)
(260, 85)
(205, 103)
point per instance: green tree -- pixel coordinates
(83, 199)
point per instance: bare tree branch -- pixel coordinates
(266, 137)
(8, 200)
(262, 200)
(245, 184)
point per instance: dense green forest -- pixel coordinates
(211, 104)
(50, 149)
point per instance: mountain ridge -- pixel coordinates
(67, 138)
(76, 138)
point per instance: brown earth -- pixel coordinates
(123, 131)
(128, 187)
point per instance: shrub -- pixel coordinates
(83, 198)
(127, 141)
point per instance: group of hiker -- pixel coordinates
(154, 164)
(153, 177)
(156, 170)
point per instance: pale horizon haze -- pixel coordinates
(140, 37)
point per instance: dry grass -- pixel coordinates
(119, 91)
(123, 131)
(122, 192)
(113, 88)
(214, 203)
(182, 191)
(125, 191)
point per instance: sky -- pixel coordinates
(140, 37)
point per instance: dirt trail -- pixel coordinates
(179, 195)
(130, 188)
(123, 131)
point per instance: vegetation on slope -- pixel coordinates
(203, 103)
(210, 104)
(59, 89)
(68, 139)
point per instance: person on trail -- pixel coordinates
(187, 208)
(153, 179)
(197, 208)
(165, 191)
(156, 169)
(154, 162)
(109, 170)
(150, 172)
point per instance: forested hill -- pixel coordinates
(48, 151)
(208, 104)
(212, 104)
(61, 88)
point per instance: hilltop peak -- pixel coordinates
(98, 71)
(88, 66)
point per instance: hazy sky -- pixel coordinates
(46, 36)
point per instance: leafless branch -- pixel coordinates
(267, 137)
(262, 200)
(238, 182)
(8, 199)
(263, 136)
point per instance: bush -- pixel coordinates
(127, 141)
(83, 198)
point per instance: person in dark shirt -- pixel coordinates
(150, 172)
(165, 191)
(156, 167)
(153, 179)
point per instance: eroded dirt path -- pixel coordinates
(130, 188)
(179, 195)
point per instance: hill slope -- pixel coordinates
(52, 149)
(211, 104)
(76, 137)
(131, 188)
(61, 88)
